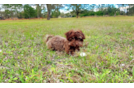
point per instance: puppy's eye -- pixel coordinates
(70, 39)
(80, 39)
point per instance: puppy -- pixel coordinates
(72, 42)
(77, 36)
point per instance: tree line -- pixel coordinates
(53, 10)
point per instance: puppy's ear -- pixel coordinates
(83, 36)
(68, 34)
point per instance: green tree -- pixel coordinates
(38, 10)
(29, 11)
(16, 8)
(84, 13)
(51, 7)
(99, 13)
(55, 14)
(12, 9)
(110, 9)
(43, 10)
(21, 15)
(0, 11)
(92, 6)
(130, 9)
(57, 9)
(78, 8)
(7, 14)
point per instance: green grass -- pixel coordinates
(109, 46)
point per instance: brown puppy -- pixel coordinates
(57, 43)
(77, 36)
(72, 42)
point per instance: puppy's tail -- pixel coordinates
(47, 37)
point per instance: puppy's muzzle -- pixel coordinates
(80, 44)
(72, 43)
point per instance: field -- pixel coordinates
(109, 45)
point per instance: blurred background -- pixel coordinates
(33, 11)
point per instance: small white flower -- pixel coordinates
(131, 56)
(6, 79)
(122, 65)
(26, 78)
(0, 50)
(83, 54)
(131, 48)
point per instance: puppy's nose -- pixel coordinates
(73, 44)
(77, 44)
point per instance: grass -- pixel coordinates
(109, 45)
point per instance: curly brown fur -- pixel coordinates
(76, 38)
(72, 42)
(57, 43)
(47, 37)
